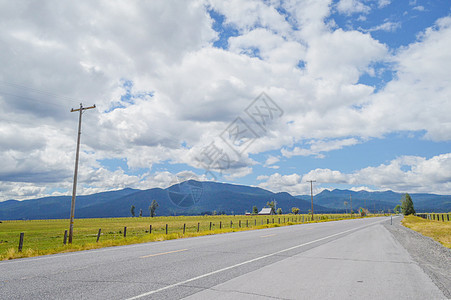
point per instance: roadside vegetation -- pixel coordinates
(43, 237)
(438, 230)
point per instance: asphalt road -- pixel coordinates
(339, 260)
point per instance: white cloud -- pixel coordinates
(419, 8)
(63, 54)
(283, 183)
(341, 57)
(411, 174)
(383, 3)
(270, 161)
(387, 26)
(246, 15)
(418, 98)
(352, 6)
(317, 147)
(363, 188)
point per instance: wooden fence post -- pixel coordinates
(220, 224)
(247, 223)
(98, 235)
(150, 229)
(231, 224)
(239, 223)
(198, 226)
(21, 241)
(125, 231)
(210, 225)
(65, 237)
(184, 227)
(166, 228)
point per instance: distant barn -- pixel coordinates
(267, 211)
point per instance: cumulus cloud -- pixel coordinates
(270, 161)
(283, 183)
(404, 174)
(164, 92)
(352, 6)
(317, 147)
(417, 99)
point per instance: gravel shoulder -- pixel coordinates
(431, 256)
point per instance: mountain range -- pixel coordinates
(194, 198)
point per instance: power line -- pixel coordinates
(45, 92)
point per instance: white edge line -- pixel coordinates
(245, 262)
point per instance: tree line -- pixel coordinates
(152, 209)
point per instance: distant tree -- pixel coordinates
(132, 210)
(255, 210)
(397, 209)
(407, 205)
(271, 204)
(295, 210)
(279, 211)
(140, 212)
(214, 213)
(153, 207)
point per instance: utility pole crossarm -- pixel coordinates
(77, 154)
(83, 108)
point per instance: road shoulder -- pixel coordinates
(431, 256)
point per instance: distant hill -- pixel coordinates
(376, 201)
(194, 197)
(211, 196)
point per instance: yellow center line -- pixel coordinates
(267, 235)
(163, 253)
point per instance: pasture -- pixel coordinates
(43, 237)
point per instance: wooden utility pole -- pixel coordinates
(74, 189)
(350, 198)
(311, 192)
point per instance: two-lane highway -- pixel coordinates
(330, 260)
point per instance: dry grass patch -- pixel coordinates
(439, 231)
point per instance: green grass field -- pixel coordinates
(43, 237)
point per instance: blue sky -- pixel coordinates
(351, 93)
